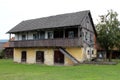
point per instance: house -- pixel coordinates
(1, 49)
(2, 42)
(8, 51)
(62, 39)
(5, 50)
(1, 46)
(101, 53)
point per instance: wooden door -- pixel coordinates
(58, 57)
(40, 56)
(23, 56)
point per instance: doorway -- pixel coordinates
(58, 57)
(23, 56)
(40, 56)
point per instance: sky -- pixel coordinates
(12, 12)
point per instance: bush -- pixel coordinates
(1, 54)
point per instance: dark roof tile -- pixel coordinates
(62, 20)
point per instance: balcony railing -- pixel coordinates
(62, 42)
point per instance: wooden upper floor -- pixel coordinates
(67, 30)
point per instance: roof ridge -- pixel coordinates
(57, 15)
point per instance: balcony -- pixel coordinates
(60, 42)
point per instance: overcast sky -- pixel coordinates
(13, 12)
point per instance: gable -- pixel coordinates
(88, 24)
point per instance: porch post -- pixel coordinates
(64, 33)
(78, 31)
(18, 36)
(9, 36)
(27, 35)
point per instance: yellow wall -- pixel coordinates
(95, 53)
(31, 55)
(49, 57)
(75, 52)
(17, 55)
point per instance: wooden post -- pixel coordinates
(9, 36)
(18, 36)
(78, 31)
(64, 33)
(27, 35)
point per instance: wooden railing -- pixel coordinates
(61, 42)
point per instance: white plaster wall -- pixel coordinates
(90, 53)
(16, 37)
(30, 35)
(46, 34)
(20, 36)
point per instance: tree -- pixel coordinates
(108, 32)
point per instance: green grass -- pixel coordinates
(15, 71)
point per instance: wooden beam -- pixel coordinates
(9, 36)
(63, 33)
(78, 31)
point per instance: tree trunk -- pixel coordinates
(105, 55)
(110, 56)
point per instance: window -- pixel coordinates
(58, 34)
(86, 34)
(90, 37)
(50, 35)
(35, 36)
(23, 37)
(42, 35)
(92, 51)
(88, 52)
(71, 34)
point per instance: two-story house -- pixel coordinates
(60, 39)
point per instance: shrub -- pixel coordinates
(1, 54)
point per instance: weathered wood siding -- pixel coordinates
(47, 43)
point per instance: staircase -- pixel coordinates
(62, 50)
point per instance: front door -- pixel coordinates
(58, 57)
(23, 56)
(40, 56)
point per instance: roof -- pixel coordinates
(1, 45)
(69, 19)
(7, 44)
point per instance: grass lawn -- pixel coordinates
(15, 71)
